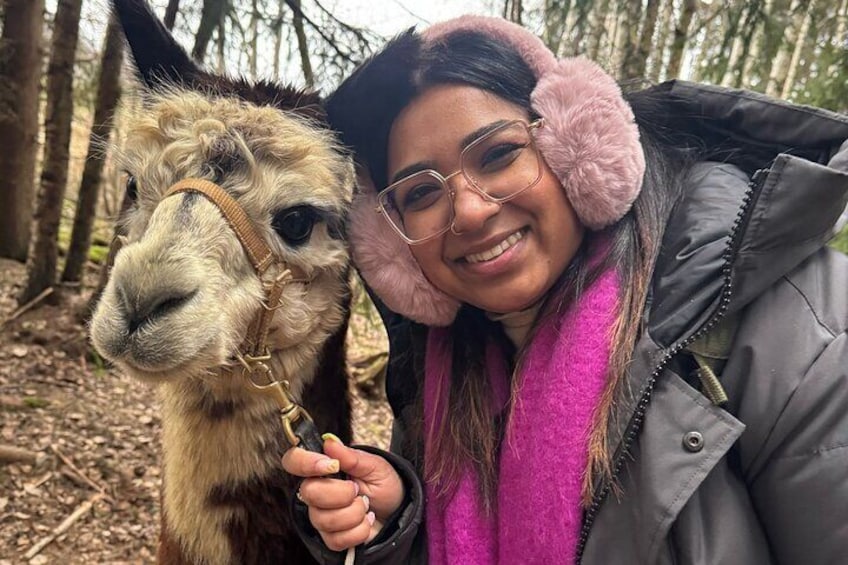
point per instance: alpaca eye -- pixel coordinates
(132, 188)
(295, 225)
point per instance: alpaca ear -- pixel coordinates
(159, 59)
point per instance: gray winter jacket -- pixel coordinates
(763, 478)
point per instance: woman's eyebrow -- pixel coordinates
(465, 142)
(480, 132)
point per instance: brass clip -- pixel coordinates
(290, 411)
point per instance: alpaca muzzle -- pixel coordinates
(252, 355)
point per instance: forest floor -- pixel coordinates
(96, 433)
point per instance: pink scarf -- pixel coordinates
(544, 453)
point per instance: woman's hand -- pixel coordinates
(345, 512)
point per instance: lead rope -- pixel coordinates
(253, 355)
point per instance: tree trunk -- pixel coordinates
(210, 18)
(646, 39)
(658, 58)
(171, 14)
(513, 11)
(108, 94)
(20, 74)
(580, 27)
(800, 41)
(555, 14)
(733, 76)
(302, 45)
(781, 61)
(277, 27)
(254, 39)
(44, 251)
(720, 59)
(599, 30)
(681, 35)
(630, 49)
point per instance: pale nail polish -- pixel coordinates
(370, 517)
(367, 502)
(328, 466)
(355, 488)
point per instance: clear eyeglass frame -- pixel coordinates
(382, 206)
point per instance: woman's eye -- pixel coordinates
(420, 197)
(500, 156)
(295, 225)
(132, 188)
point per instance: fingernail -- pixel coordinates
(328, 465)
(370, 517)
(331, 437)
(299, 497)
(367, 501)
(355, 488)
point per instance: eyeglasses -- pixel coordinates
(498, 165)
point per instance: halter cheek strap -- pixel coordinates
(253, 355)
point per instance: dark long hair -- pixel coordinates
(471, 428)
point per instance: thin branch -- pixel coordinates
(66, 524)
(296, 9)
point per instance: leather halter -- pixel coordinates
(252, 355)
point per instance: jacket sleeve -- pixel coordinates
(801, 488)
(394, 544)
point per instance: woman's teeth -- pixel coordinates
(495, 251)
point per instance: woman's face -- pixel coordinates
(498, 257)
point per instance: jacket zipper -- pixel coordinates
(634, 426)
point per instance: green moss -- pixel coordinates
(840, 242)
(97, 253)
(36, 402)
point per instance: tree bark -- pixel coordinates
(681, 35)
(171, 14)
(630, 49)
(108, 94)
(44, 251)
(646, 39)
(781, 61)
(302, 45)
(800, 41)
(555, 14)
(658, 57)
(20, 74)
(210, 18)
(278, 37)
(742, 44)
(599, 30)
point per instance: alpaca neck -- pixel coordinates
(216, 435)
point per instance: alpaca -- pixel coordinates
(183, 293)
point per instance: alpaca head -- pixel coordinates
(182, 291)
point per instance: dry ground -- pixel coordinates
(97, 433)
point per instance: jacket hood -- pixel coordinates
(773, 185)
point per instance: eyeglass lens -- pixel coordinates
(499, 165)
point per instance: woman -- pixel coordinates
(627, 339)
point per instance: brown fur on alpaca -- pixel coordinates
(182, 292)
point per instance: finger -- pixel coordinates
(339, 519)
(328, 493)
(303, 463)
(356, 463)
(339, 541)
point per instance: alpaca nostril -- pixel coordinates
(157, 308)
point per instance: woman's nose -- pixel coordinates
(471, 210)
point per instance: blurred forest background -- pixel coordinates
(79, 444)
(61, 67)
